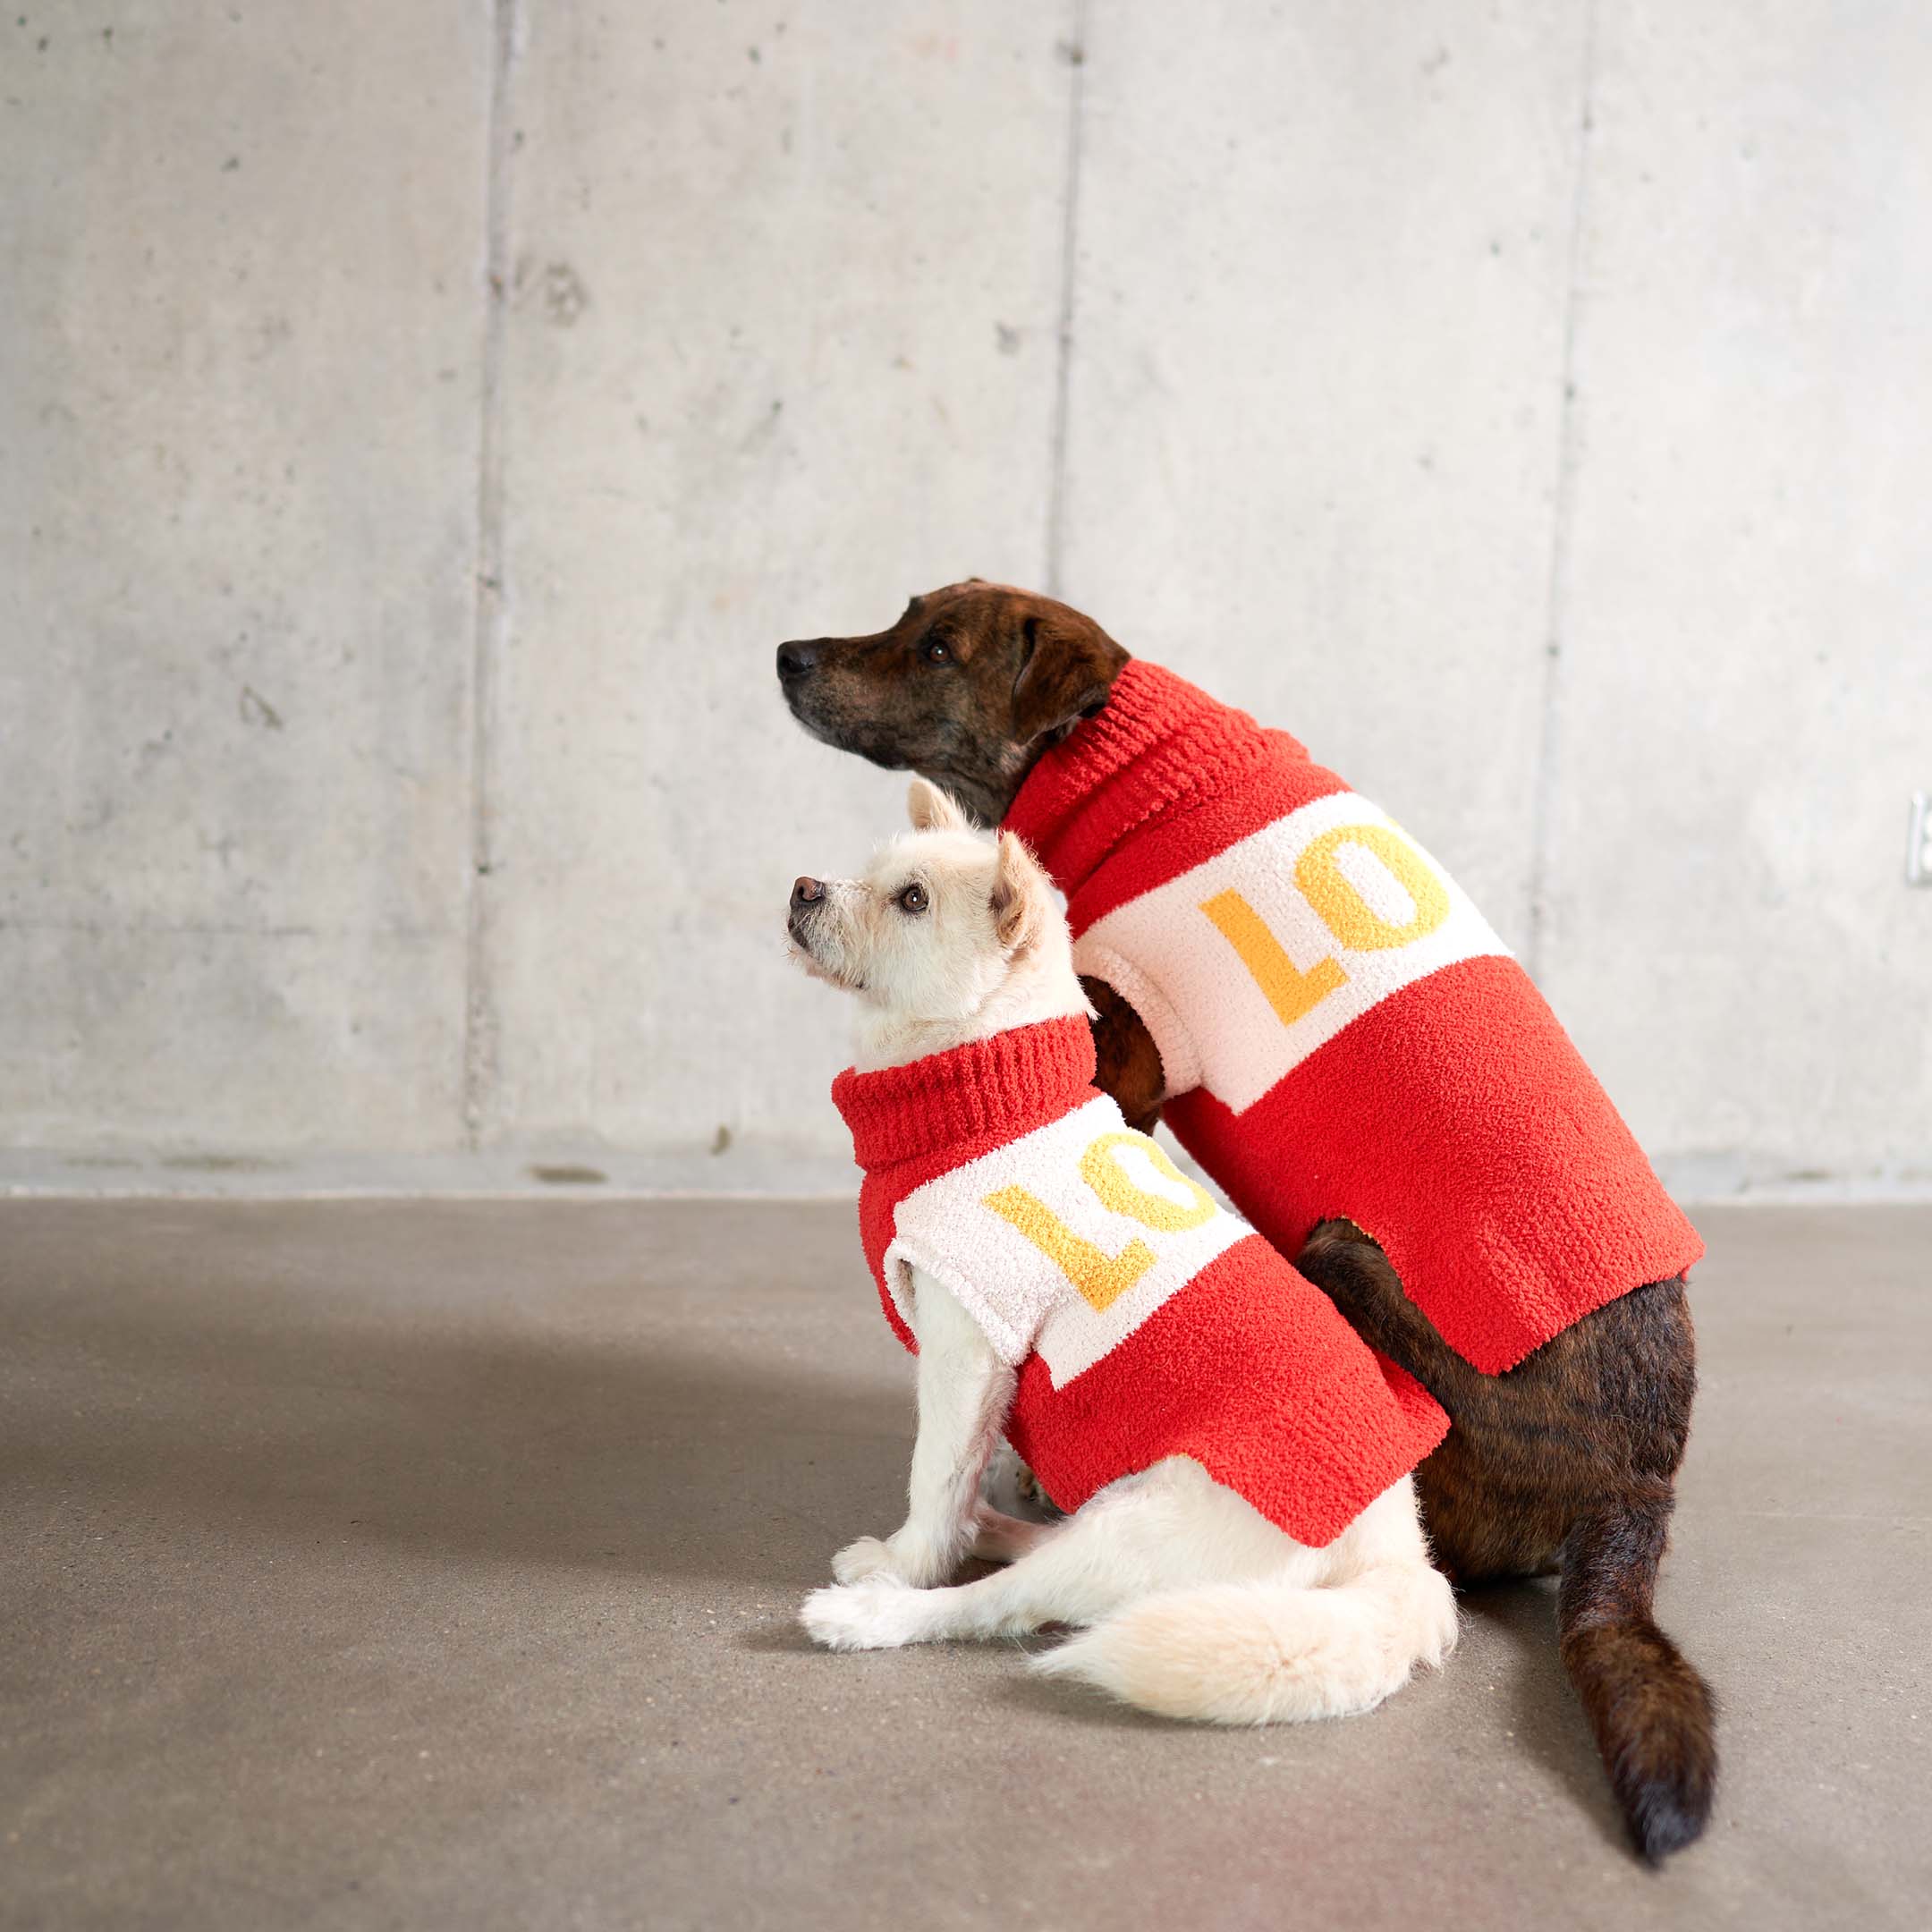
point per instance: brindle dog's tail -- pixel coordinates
(1653, 1715)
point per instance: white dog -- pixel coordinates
(1186, 1600)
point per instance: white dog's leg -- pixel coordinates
(1014, 1490)
(1011, 1516)
(1170, 1525)
(1271, 1651)
(964, 1392)
(1196, 1607)
(998, 1537)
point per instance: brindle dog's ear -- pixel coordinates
(1067, 666)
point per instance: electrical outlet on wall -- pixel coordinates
(1918, 843)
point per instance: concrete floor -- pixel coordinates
(425, 1564)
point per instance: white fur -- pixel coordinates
(1186, 1600)
(940, 978)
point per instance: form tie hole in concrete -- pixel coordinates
(569, 1175)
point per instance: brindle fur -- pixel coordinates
(1128, 1061)
(968, 689)
(1565, 1463)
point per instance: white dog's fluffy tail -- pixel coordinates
(1264, 1653)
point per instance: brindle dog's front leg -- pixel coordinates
(1129, 1063)
(1595, 1419)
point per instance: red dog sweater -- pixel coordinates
(1341, 1032)
(1144, 1320)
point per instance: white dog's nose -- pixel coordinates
(806, 891)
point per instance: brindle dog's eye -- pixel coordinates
(914, 898)
(937, 652)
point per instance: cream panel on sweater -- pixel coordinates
(1243, 966)
(1002, 1232)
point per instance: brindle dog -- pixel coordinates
(1568, 1461)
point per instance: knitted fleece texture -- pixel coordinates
(1143, 1319)
(1341, 1031)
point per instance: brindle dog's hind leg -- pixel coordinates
(1498, 1495)
(1566, 1461)
(1601, 1409)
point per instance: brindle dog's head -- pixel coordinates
(970, 685)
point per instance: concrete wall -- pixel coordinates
(419, 424)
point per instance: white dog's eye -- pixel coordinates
(913, 899)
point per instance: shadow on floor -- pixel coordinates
(504, 1444)
(1546, 1718)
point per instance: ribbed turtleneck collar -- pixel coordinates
(997, 1088)
(1160, 744)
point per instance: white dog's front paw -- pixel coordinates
(878, 1614)
(869, 1557)
(897, 1559)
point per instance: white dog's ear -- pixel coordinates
(1022, 900)
(932, 811)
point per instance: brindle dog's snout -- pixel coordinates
(796, 661)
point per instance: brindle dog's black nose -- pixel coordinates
(806, 891)
(796, 661)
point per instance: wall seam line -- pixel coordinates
(1562, 523)
(1075, 53)
(486, 642)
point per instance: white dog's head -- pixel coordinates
(948, 936)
